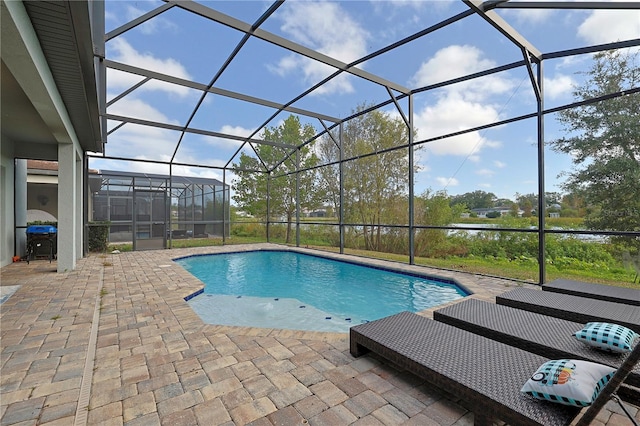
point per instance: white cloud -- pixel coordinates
(120, 50)
(447, 182)
(153, 25)
(605, 26)
(132, 141)
(402, 17)
(200, 171)
(411, 4)
(458, 61)
(529, 16)
(451, 62)
(312, 73)
(236, 130)
(558, 86)
(485, 172)
(499, 164)
(110, 16)
(136, 108)
(451, 114)
(461, 106)
(154, 168)
(128, 166)
(230, 143)
(327, 28)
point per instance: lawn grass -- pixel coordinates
(503, 268)
(498, 267)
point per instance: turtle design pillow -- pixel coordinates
(568, 382)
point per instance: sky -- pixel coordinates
(501, 160)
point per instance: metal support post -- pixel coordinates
(268, 198)
(298, 197)
(341, 172)
(224, 206)
(541, 187)
(411, 186)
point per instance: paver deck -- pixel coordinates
(114, 343)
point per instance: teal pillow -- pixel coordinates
(606, 336)
(568, 381)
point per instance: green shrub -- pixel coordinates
(319, 235)
(248, 229)
(560, 250)
(98, 236)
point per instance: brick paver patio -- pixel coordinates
(114, 343)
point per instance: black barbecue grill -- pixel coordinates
(41, 242)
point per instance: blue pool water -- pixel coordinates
(289, 290)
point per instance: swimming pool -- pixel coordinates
(291, 290)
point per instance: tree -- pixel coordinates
(529, 202)
(514, 210)
(475, 200)
(435, 209)
(502, 202)
(603, 139)
(573, 205)
(527, 208)
(375, 186)
(251, 186)
(552, 198)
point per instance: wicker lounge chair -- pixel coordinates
(487, 374)
(628, 296)
(572, 308)
(541, 334)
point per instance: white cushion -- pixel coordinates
(606, 336)
(568, 382)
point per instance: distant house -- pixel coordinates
(318, 213)
(323, 211)
(503, 210)
(554, 210)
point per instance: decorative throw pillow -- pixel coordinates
(606, 336)
(568, 381)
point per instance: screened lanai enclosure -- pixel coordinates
(151, 210)
(497, 137)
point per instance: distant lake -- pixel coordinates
(488, 226)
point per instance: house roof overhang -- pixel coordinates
(47, 48)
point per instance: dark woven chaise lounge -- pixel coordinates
(572, 308)
(628, 296)
(487, 374)
(541, 334)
